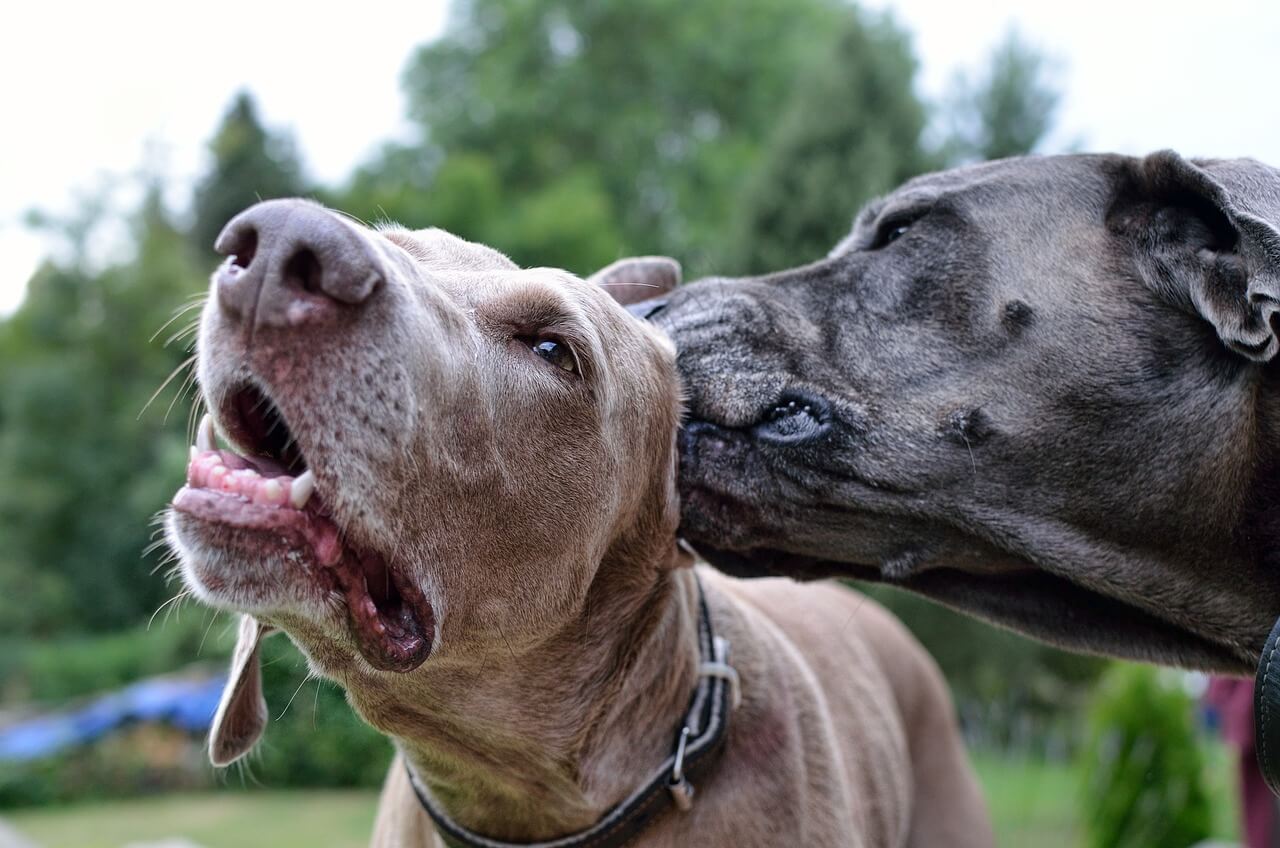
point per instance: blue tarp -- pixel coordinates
(186, 703)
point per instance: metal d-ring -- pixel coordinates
(681, 789)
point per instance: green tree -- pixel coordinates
(1008, 109)
(568, 223)
(852, 132)
(646, 112)
(249, 163)
(403, 183)
(82, 472)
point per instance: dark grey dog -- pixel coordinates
(1039, 390)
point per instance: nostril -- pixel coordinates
(700, 438)
(795, 417)
(303, 271)
(240, 244)
(246, 249)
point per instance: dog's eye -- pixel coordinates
(889, 232)
(556, 352)
(893, 227)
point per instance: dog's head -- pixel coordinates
(431, 450)
(1036, 389)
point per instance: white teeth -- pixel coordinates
(300, 491)
(205, 435)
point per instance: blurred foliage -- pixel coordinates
(83, 471)
(850, 132)
(1008, 109)
(1013, 692)
(139, 760)
(596, 129)
(313, 737)
(249, 163)
(56, 670)
(1144, 777)
(736, 137)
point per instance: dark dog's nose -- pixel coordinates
(292, 262)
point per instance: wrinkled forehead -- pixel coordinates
(438, 250)
(485, 281)
(1014, 192)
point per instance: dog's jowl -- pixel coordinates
(452, 483)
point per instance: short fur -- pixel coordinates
(538, 512)
(1050, 401)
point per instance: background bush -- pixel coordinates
(1144, 775)
(313, 738)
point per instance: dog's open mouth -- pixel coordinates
(272, 492)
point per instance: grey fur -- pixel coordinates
(1050, 402)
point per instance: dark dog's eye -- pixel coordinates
(888, 233)
(894, 227)
(556, 352)
(646, 309)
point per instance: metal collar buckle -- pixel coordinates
(680, 787)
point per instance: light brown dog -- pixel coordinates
(454, 490)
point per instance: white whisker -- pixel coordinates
(181, 310)
(167, 380)
(170, 604)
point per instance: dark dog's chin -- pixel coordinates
(743, 531)
(242, 514)
(1028, 600)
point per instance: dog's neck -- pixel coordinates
(537, 743)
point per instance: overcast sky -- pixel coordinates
(90, 90)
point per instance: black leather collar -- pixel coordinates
(698, 743)
(1266, 710)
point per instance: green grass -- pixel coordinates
(1032, 803)
(316, 819)
(1037, 803)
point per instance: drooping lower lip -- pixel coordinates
(389, 618)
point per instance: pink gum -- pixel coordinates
(210, 470)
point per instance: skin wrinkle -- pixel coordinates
(537, 513)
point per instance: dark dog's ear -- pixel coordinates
(638, 278)
(242, 712)
(1205, 237)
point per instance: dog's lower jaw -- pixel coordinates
(508, 746)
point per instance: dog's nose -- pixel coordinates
(291, 263)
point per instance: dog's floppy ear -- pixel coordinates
(638, 278)
(1205, 236)
(242, 712)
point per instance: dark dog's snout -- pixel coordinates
(292, 263)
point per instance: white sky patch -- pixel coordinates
(96, 89)
(106, 88)
(1136, 76)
